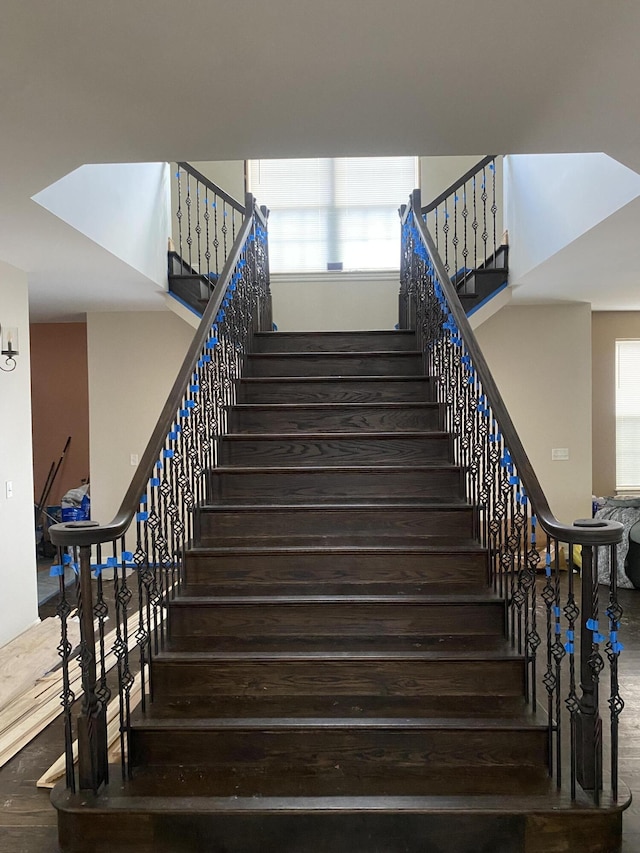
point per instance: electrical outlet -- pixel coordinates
(133, 459)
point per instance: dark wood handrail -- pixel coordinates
(187, 167)
(456, 186)
(92, 533)
(584, 531)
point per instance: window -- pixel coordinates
(627, 416)
(339, 212)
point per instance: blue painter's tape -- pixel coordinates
(112, 561)
(143, 499)
(66, 559)
(97, 570)
(592, 624)
(569, 648)
(173, 435)
(547, 571)
(571, 635)
(190, 404)
(598, 638)
(613, 636)
(159, 464)
(211, 343)
(184, 413)
(168, 454)
(155, 482)
(556, 611)
(513, 481)
(616, 648)
(548, 559)
(56, 571)
(142, 516)
(127, 555)
(195, 388)
(206, 359)
(558, 628)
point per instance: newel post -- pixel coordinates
(588, 720)
(92, 722)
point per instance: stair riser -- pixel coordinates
(295, 452)
(336, 391)
(322, 572)
(333, 485)
(346, 419)
(336, 706)
(351, 831)
(360, 342)
(342, 620)
(355, 364)
(310, 751)
(215, 525)
(318, 677)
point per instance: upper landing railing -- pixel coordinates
(465, 222)
(205, 222)
(580, 630)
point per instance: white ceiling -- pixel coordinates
(147, 81)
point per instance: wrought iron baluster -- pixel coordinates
(187, 202)
(613, 649)
(122, 598)
(198, 228)
(179, 213)
(207, 242)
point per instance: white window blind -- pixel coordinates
(627, 415)
(333, 211)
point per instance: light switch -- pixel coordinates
(134, 459)
(9, 488)
(560, 454)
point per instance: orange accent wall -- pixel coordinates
(60, 405)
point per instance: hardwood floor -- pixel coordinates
(28, 823)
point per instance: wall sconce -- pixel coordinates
(9, 344)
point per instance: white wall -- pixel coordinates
(133, 359)
(540, 357)
(552, 199)
(325, 302)
(19, 600)
(438, 173)
(123, 207)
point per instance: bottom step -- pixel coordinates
(114, 822)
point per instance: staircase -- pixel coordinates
(336, 677)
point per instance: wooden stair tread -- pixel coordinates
(435, 503)
(505, 653)
(291, 542)
(324, 407)
(333, 436)
(319, 470)
(328, 644)
(536, 795)
(264, 380)
(306, 354)
(453, 599)
(426, 544)
(525, 722)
